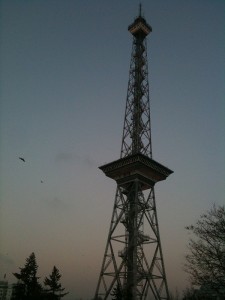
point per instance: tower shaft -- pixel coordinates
(137, 130)
(133, 266)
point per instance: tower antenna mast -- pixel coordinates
(140, 10)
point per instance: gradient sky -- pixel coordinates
(63, 82)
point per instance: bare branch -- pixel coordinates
(205, 262)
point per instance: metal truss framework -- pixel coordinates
(150, 273)
(133, 267)
(137, 127)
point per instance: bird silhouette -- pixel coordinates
(21, 158)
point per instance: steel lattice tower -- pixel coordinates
(133, 266)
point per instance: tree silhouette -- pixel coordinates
(55, 290)
(189, 294)
(205, 262)
(28, 286)
(117, 293)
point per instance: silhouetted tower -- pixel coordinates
(133, 266)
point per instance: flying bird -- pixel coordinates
(21, 158)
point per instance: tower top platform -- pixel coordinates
(140, 26)
(137, 166)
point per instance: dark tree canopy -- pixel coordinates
(28, 286)
(117, 293)
(189, 294)
(54, 287)
(205, 261)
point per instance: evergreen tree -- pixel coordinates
(28, 286)
(117, 293)
(55, 290)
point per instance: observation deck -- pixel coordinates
(140, 27)
(138, 166)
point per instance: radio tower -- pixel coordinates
(133, 267)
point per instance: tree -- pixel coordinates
(117, 293)
(55, 290)
(175, 296)
(189, 294)
(205, 261)
(28, 286)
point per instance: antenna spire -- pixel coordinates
(140, 9)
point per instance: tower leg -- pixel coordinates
(133, 262)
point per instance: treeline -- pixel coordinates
(29, 287)
(205, 264)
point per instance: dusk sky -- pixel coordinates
(64, 68)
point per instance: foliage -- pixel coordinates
(117, 293)
(28, 286)
(205, 261)
(189, 294)
(173, 296)
(55, 290)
